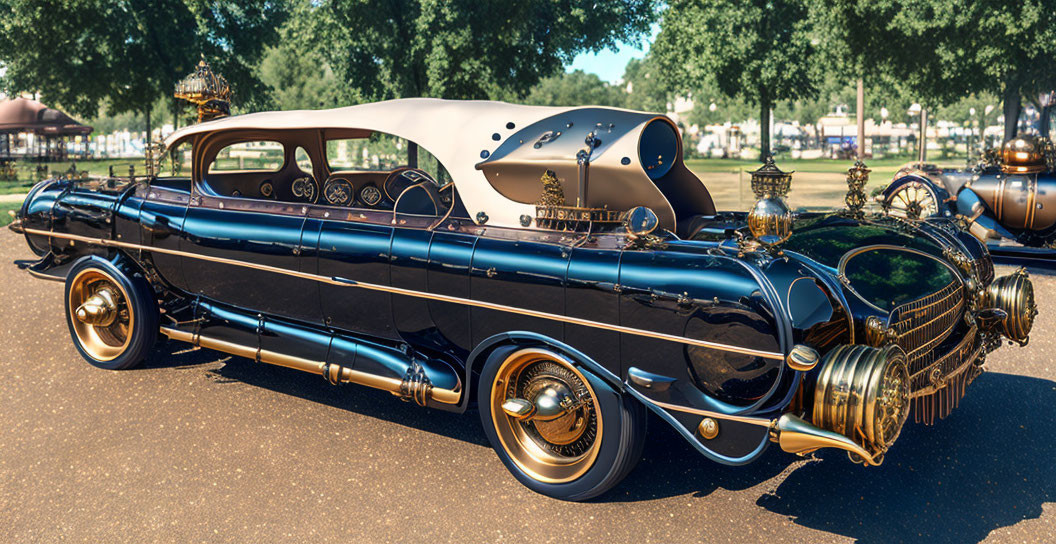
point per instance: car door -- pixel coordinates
(243, 252)
(354, 245)
(521, 270)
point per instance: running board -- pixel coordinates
(415, 384)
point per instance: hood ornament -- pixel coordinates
(857, 178)
(770, 220)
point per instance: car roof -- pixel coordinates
(461, 134)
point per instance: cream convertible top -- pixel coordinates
(478, 141)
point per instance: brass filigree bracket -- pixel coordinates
(857, 178)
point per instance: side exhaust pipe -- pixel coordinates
(414, 386)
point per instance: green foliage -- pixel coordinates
(757, 50)
(464, 48)
(575, 89)
(646, 90)
(939, 51)
(79, 53)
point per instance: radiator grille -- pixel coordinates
(933, 377)
(924, 323)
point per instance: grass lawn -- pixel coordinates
(881, 167)
(5, 218)
(27, 172)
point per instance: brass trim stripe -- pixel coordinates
(419, 294)
(707, 413)
(392, 385)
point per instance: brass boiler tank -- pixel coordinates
(1023, 195)
(1019, 201)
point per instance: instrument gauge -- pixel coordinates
(338, 192)
(306, 189)
(370, 195)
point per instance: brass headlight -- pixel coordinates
(863, 394)
(1014, 294)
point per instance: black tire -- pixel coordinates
(622, 420)
(105, 349)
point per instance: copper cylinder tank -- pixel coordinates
(1020, 201)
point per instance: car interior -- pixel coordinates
(343, 168)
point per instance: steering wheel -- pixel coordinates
(413, 191)
(401, 179)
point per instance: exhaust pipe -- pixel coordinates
(795, 435)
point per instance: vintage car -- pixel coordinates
(1006, 196)
(560, 269)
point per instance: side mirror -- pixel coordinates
(640, 221)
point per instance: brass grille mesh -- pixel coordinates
(985, 267)
(924, 323)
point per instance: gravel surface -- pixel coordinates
(198, 446)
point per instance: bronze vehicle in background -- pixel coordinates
(1010, 195)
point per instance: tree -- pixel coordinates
(758, 50)
(130, 53)
(942, 50)
(465, 48)
(645, 89)
(575, 88)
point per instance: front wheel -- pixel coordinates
(113, 318)
(912, 200)
(559, 429)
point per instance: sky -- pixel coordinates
(609, 65)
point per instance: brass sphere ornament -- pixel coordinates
(770, 220)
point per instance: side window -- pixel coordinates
(176, 162)
(256, 156)
(378, 153)
(304, 162)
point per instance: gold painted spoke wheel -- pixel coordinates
(912, 201)
(101, 317)
(559, 447)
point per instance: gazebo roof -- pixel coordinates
(25, 115)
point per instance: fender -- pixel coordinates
(481, 352)
(520, 337)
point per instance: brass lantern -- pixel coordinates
(208, 90)
(1024, 154)
(770, 220)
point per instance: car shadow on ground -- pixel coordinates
(986, 466)
(353, 398)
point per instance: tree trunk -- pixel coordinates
(764, 125)
(860, 112)
(147, 112)
(1011, 107)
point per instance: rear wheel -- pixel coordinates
(559, 429)
(113, 319)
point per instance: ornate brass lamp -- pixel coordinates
(770, 220)
(857, 178)
(208, 90)
(1024, 154)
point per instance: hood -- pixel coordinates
(884, 263)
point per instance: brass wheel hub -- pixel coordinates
(546, 415)
(101, 316)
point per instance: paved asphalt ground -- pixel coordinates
(200, 447)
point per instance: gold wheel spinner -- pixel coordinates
(101, 316)
(546, 415)
(912, 201)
